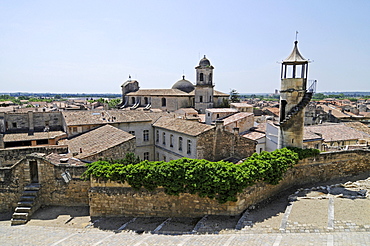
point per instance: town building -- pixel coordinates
(183, 93)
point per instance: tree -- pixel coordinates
(234, 96)
(113, 102)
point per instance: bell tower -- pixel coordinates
(204, 86)
(294, 97)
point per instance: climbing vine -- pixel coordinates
(217, 180)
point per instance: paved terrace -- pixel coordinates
(332, 213)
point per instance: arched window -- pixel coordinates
(164, 138)
(157, 136)
(201, 77)
(163, 102)
(200, 98)
(189, 147)
(180, 143)
(171, 140)
(210, 78)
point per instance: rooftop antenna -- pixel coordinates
(296, 35)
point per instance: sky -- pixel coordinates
(92, 46)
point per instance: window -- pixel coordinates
(74, 129)
(146, 101)
(171, 140)
(200, 98)
(210, 78)
(218, 116)
(132, 132)
(164, 138)
(157, 155)
(132, 100)
(14, 124)
(189, 147)
(180, 143)
(146, 155)
(201, 77)
(157, 136)
(164, 158)
(146, 135)
(163, 102)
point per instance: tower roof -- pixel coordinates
(295, 56)
(204, 62)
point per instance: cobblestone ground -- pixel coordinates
(327, 214)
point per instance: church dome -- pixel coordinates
(204, 62)
(184, 85)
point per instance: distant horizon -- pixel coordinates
(119, 93)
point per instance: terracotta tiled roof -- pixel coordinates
(96, 141)
(241, 105)
(334, 111)
(308, 135)
(219, 94)
(96, 117)
(275, 111)
(253, 135)
(57, 159)
(222, 110)
(187, 127)
(358, 126)
(235, 117)
(15, 137)
(336, 132)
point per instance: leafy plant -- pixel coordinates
(216, 180)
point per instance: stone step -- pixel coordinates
(18, 221)
(33, 186)
(30, 192)
(27, 198)
(20, 216)
(25, 204)
(22, 209)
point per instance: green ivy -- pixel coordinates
(216, 180)
(305, 153)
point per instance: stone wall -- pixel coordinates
(116, 152)
(10, 156)
(53, 191)
(30, 121)
(106, 200)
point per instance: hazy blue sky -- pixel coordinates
(92, 46)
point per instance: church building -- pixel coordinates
(183, 93)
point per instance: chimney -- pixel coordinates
(219, 125)
(236, 130)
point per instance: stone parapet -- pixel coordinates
(109, 199)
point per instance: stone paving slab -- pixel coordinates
(352, 213)
(308, 215)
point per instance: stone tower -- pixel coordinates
(294, 97)
(204, 86)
